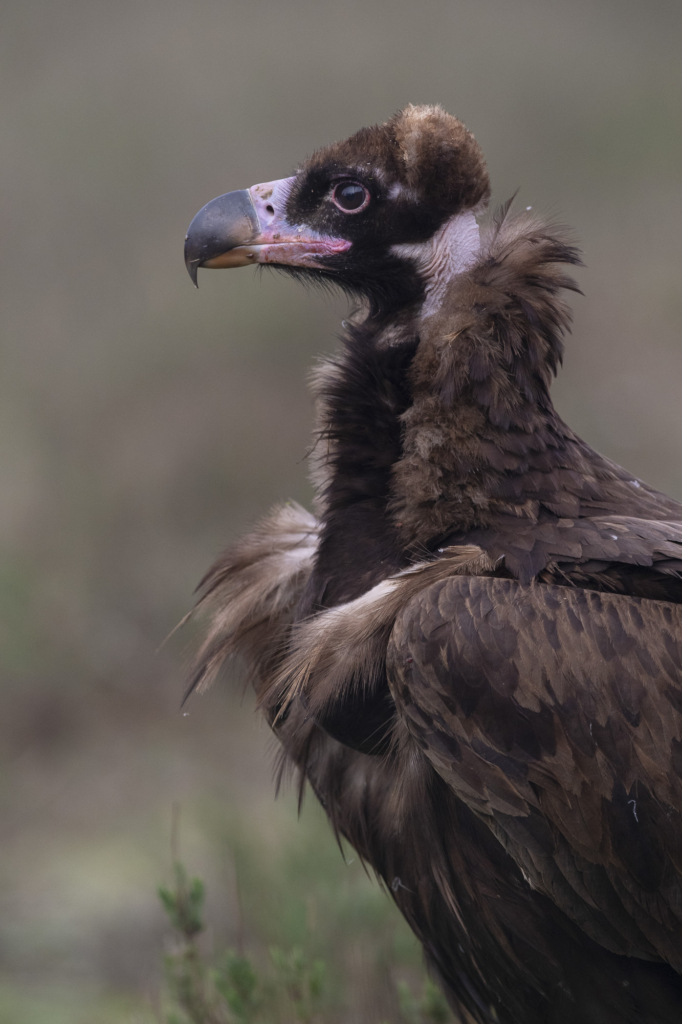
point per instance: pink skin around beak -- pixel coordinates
(278, 241)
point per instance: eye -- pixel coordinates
(350, 196)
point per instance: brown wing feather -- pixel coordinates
(555, 714)
(529, 547)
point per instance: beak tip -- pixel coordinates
(193, 271)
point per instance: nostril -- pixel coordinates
(270, 209)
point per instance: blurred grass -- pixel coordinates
(143, 424)
(313, 942)
(276, 881)
(63, 1006)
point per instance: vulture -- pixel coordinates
(472, 650)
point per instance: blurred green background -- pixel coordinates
(144, 424)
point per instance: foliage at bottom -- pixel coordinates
(229, 989)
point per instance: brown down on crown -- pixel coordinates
(422, 148)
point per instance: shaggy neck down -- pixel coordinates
(440, 422)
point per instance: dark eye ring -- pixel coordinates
(350, 196)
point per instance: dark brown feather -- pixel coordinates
(603, 782)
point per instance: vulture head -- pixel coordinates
(388, 214)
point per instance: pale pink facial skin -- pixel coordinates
(278, 241)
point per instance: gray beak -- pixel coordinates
(223, 224)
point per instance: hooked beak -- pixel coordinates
(249, 226)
